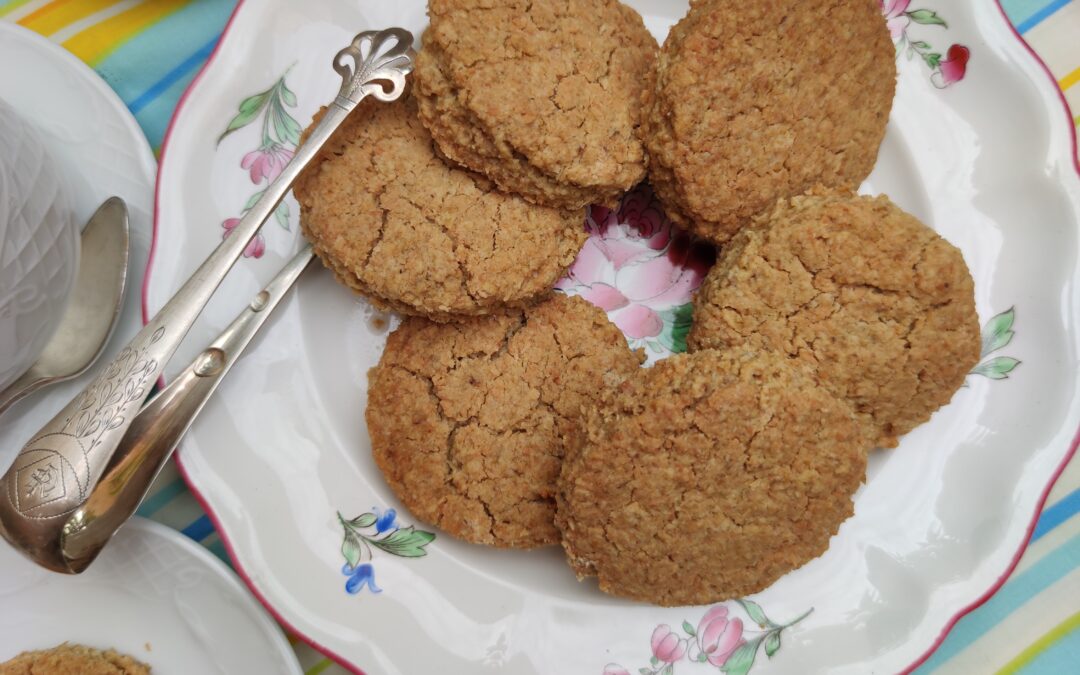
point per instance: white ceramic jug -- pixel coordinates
(39, 245)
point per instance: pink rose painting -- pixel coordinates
(718, 644)
(267, 162)
(717, 636)
(642, 271)
(667, 647)
(255, 248)
(280, 134)
(944, 70)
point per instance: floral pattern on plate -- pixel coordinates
(642, 271)
(944, 70)
(376, 529)
(996, 334)
(280, 134)
(720, 640)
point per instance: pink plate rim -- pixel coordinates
(229, 548)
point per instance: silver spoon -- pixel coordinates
(92, 309)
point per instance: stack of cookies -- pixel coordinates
(509, 416)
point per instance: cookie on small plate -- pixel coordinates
(66, 659)
(875, 301)
(755, 101)
(415, 235)
(466, 419)
(541, 97)
(707, 477)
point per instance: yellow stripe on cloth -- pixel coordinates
(56, 15)
(1070, 79)
(94, 44)
(1039, 646)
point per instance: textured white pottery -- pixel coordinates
(39, 245)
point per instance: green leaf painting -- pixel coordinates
(376, 531)
(279, 137)
(755, 612)
(772, 644)
(926, 17)
(406, 543)
(997, 334)
(742, 659)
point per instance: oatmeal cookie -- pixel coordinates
(68, 658)
(543, 97)
(763, 100)
(875, 301)
(707, 478)
(397, 224)
(466, 419)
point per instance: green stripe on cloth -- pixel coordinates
(218, 548)
(11, 6)
(1045, 648)
(319, 667)
(1009, 598)
(161, 498)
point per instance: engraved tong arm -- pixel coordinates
(54, 474)
(158, 427)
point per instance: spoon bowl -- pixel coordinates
(92, 309)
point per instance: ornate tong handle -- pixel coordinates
(55, 472)
(378, 59)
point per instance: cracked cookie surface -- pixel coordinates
(707, 477)
(876, 302)
(763, 100)
(541, 96)
(466, 419)
(67, 658)
(397, 224)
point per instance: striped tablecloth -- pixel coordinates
(150, 50)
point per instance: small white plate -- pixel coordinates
(978, 147)
(100, 151)
(153, 594)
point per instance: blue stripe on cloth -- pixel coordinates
(155, 117)
(1020, 11)
(1040, 16)
(1017, 591)
(185, 67)
(1061, 657)
(1065, 508)
(141, 63)
(200, 529)
(161, 498)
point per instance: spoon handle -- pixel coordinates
(56, 471)
(159, 426)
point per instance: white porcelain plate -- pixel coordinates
(978, 146)
(153, 594)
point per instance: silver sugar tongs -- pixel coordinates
(55, 506)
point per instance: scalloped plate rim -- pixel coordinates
(1040, 82)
